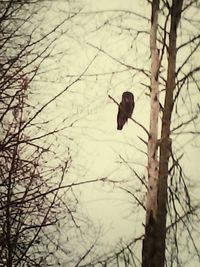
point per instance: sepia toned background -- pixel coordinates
(91, 52)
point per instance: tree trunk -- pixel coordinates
(153, 254)
(151, 205)
(165, 144)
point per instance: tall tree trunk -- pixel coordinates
(153, 254)
(165, 144)
(151, 205)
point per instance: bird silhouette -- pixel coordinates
(125, 109)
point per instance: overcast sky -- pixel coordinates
(94, 141)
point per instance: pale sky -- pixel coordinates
(96, 143)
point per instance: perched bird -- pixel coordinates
(125, 109)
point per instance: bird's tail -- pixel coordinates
(121, 122)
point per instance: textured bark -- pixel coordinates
(165, 144)
(149, 247)
(153, 254)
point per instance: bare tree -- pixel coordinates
(174, 112)
(37, 204)
(158, 170)
(35, 199)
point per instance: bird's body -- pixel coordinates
(125, 109)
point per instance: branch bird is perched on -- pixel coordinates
(125, 109)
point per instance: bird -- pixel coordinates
(125, 109)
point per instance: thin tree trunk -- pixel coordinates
(151, 205)
(165, 144)
(153, 254)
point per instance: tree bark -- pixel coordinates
(165, 144)
(153, 253)
(151, 204)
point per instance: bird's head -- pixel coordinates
(127, 97)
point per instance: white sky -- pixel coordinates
(96, 143)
